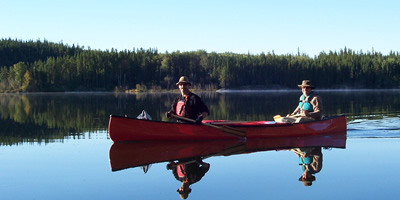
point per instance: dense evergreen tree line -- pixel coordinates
(47, 66)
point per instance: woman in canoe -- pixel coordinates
(309, 107)
(188, 104)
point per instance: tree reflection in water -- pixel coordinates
(50, 117)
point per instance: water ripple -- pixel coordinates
(387, 127)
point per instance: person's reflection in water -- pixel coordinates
(188, 173)
(310, 161)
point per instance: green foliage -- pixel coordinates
(45, 66)
(48, 118)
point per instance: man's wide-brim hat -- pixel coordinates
(306, 83)
(184, 80)
(307, 182)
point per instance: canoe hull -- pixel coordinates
(126, 155)
(130, 129)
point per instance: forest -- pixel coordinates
(43, 66)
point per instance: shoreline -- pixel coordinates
(296, 90)
(198, 90)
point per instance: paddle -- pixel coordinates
(232, 150)
(226, 129)
(278, 118)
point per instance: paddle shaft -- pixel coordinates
(277, 118)
(226, 129)
(235, 149)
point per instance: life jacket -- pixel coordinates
(305, 102)
(180, 169)
(305, 161)
(180, 108)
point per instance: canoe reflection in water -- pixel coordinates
(191, 170)
(185, 159)
(192, 154)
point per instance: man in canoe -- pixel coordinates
(309, 107)
(188, 104)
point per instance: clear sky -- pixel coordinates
(248, 26)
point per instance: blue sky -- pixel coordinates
(253, 26)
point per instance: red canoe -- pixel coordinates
(128, 155)
(130, 129)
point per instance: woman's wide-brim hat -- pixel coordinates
(183, 79)
(306, 83)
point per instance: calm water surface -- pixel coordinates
(55, 146)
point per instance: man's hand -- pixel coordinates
(168, 114)
(199, 119)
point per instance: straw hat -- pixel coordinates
(306, 83)
(183, 79)
(307, 182)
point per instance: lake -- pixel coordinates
(55, 146)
